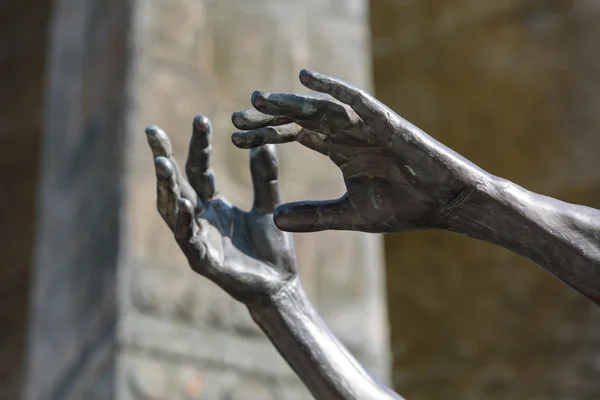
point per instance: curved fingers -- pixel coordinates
(301, 108)
(161, 147)
(281, 134)
(254, 119)
(365, 105)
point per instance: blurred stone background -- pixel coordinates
(97, 303)
(515, 87)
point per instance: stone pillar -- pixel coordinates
(22, 62)
(73, 313)
(170, 334)
(515, 87)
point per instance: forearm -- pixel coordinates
(562, 238)
(325, 366)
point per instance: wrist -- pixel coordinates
(290, 294)
(498, 211)
(555, 235)
(477, 210)
(324, 365)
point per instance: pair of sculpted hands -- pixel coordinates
(397, 178)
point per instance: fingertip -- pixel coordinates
(186, 205)
(282, 218)
(270, 149)
(164, 168)
(152, 129)
(258, 99)
(305, 75)
(267, 152)
(312, 216)
(254, 119)
(236, 118)
(239, 139)
(264, 162)
(254, 95)
(156, 132)
(202, 124)
(159, 141)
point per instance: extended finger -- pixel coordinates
(264, 168)
(281, 134)
(197, 167)
(254, 119)
(159, 142)
(161, 147)
(168, 192)
(300, 107)
(314, 216)
(365, 105)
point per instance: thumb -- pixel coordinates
(314, 216)
(185, 225)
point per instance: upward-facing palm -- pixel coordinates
(243, 252)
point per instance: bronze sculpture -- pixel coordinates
(398, 179)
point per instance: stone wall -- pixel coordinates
(513, 86)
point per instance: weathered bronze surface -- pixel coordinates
(398, 179)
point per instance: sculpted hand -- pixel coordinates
(397, 177)
(242, 252)
(246, 255)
